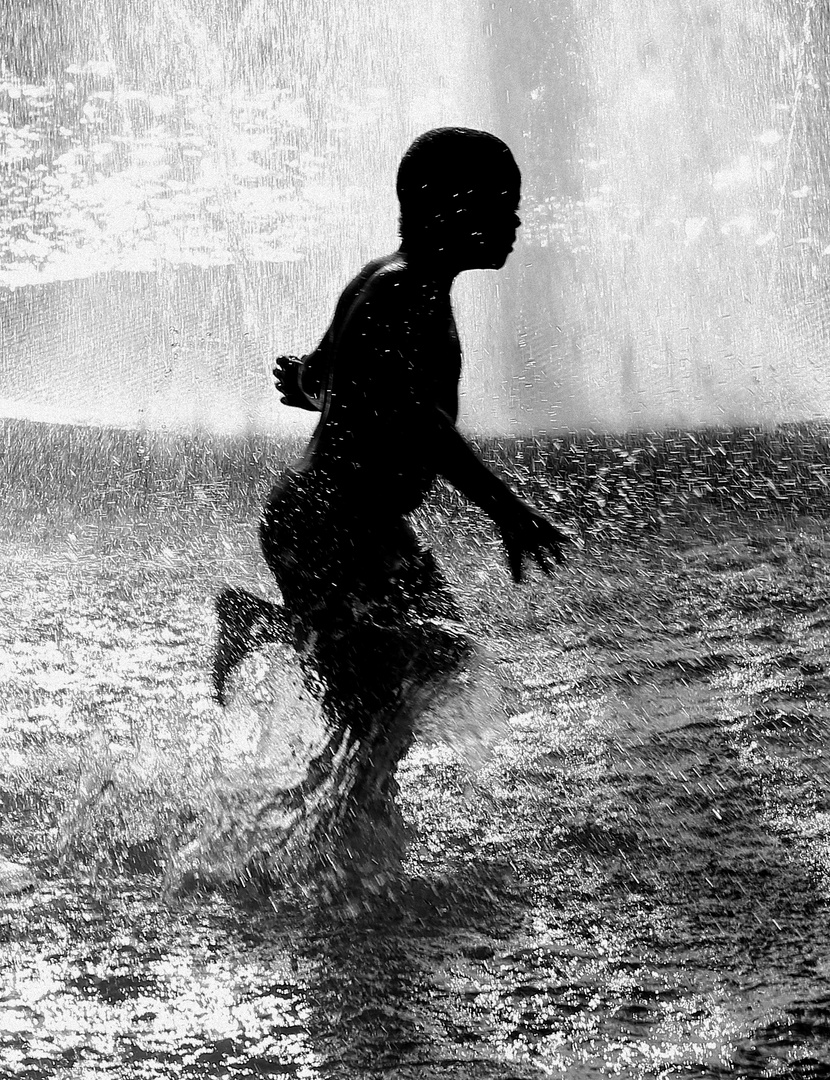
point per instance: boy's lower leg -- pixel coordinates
(394, 675)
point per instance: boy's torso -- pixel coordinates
(395, 360)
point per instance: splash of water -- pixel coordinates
(258, 795)
(297, 824)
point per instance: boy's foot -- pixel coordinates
(245, 623)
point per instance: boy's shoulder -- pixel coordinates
(395, 272)
(389, 283)
(383, 274)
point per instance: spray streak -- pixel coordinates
(225, 178)
(216, 177)
(798, 96)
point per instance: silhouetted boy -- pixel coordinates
(364, 603)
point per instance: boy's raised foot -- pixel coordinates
(246, 622)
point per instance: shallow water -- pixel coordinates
(634, 883)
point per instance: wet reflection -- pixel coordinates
(376, 986)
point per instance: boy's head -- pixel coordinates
(459, 192)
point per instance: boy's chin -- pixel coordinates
(490, 258)
(483, 258)
(495, 260)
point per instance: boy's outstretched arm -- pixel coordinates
(393, 405)
(524, 531)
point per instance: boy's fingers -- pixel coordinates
(544, 565)
(543, 553)
(556, 546)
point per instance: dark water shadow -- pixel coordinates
(376, 974)
(710, 847)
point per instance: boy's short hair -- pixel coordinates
(446, 162)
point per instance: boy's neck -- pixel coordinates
(430, 263)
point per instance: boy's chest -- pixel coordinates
(436, 341)
(436, 360)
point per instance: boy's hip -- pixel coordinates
(327, 554)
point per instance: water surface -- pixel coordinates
(633, 884)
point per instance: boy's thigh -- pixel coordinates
(324, 556)
(426, 588)
(367, 670)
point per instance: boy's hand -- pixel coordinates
(527, 533)
(287, 373)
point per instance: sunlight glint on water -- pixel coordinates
(635, 880)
